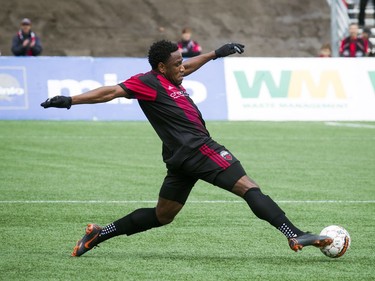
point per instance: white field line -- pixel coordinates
(192, 202)
(350, 125)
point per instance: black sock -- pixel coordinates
(137, 221)
(266, 209)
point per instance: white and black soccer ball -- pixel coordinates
(341, 241)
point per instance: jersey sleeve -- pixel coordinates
(136, 89)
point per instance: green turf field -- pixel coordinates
(55, 177)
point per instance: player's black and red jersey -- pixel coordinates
(171, 112)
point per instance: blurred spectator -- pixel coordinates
(325, 51)
(26, 43)
(188, 47)
(353, 46)
(366, 34)
(362, 10)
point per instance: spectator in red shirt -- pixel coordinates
(353, 46)
(188, 47)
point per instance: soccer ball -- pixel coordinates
(341, 241)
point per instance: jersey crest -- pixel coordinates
(226, 155)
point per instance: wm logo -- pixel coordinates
(290, 84)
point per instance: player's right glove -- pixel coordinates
(58, 101)
(229, 49)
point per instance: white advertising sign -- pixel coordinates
(300, 89)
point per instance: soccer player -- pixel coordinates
(189, 151)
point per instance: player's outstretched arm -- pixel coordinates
(99, 95)
(195, 63)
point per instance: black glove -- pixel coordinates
(58, 101)
(229, 49)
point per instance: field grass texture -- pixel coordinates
(55, 177)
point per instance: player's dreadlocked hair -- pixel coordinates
(160, 51)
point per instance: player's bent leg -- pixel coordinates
(266, 209)
(138, 221)
(172, 197)
(173, 194)
(261, 205)
(166, 210)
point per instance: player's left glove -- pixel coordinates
(58, 101)
(229, 49)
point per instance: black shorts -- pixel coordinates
(212, 163)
